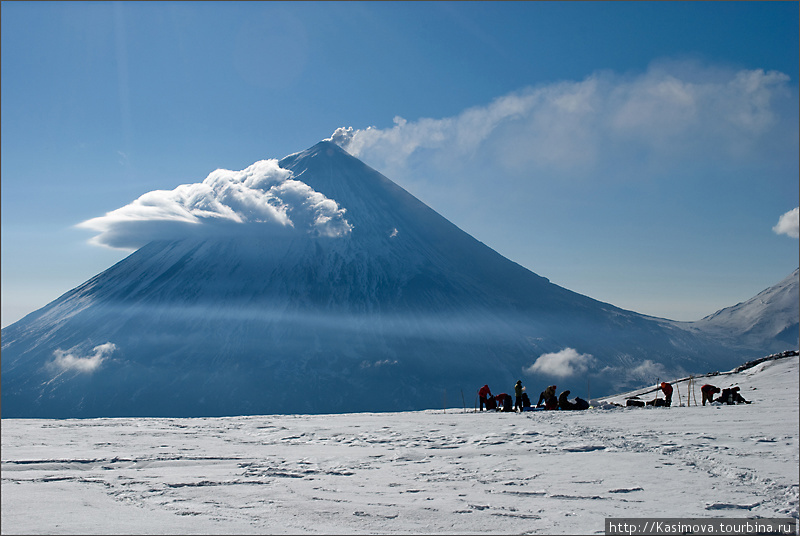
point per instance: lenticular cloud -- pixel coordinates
(264, 197)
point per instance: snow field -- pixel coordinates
(431, 471)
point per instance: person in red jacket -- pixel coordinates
(484, 393)
(667, 389)
(709, 391)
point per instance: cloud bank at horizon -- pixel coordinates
(263, 194)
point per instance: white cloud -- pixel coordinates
(263, 194)
(68, 360)
(789, 224)
(673, 109)
(646, 371)
(567, 362)
(342, 136)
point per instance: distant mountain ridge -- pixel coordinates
(770, 315)
(396, 314)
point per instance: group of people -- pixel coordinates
(502, 402)
(728, 396)
(548, 400)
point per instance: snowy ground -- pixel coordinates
(416, 472)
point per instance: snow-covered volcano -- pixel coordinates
(354, 296)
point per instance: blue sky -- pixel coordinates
(639, 153)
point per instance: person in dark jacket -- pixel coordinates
(526, 402)
(580, 403)
(731, 396)
(563, 401)
(504, 402)
(484, 393)
(709, 391)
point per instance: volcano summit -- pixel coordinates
(314, 284)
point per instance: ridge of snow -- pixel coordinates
(771, 313)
